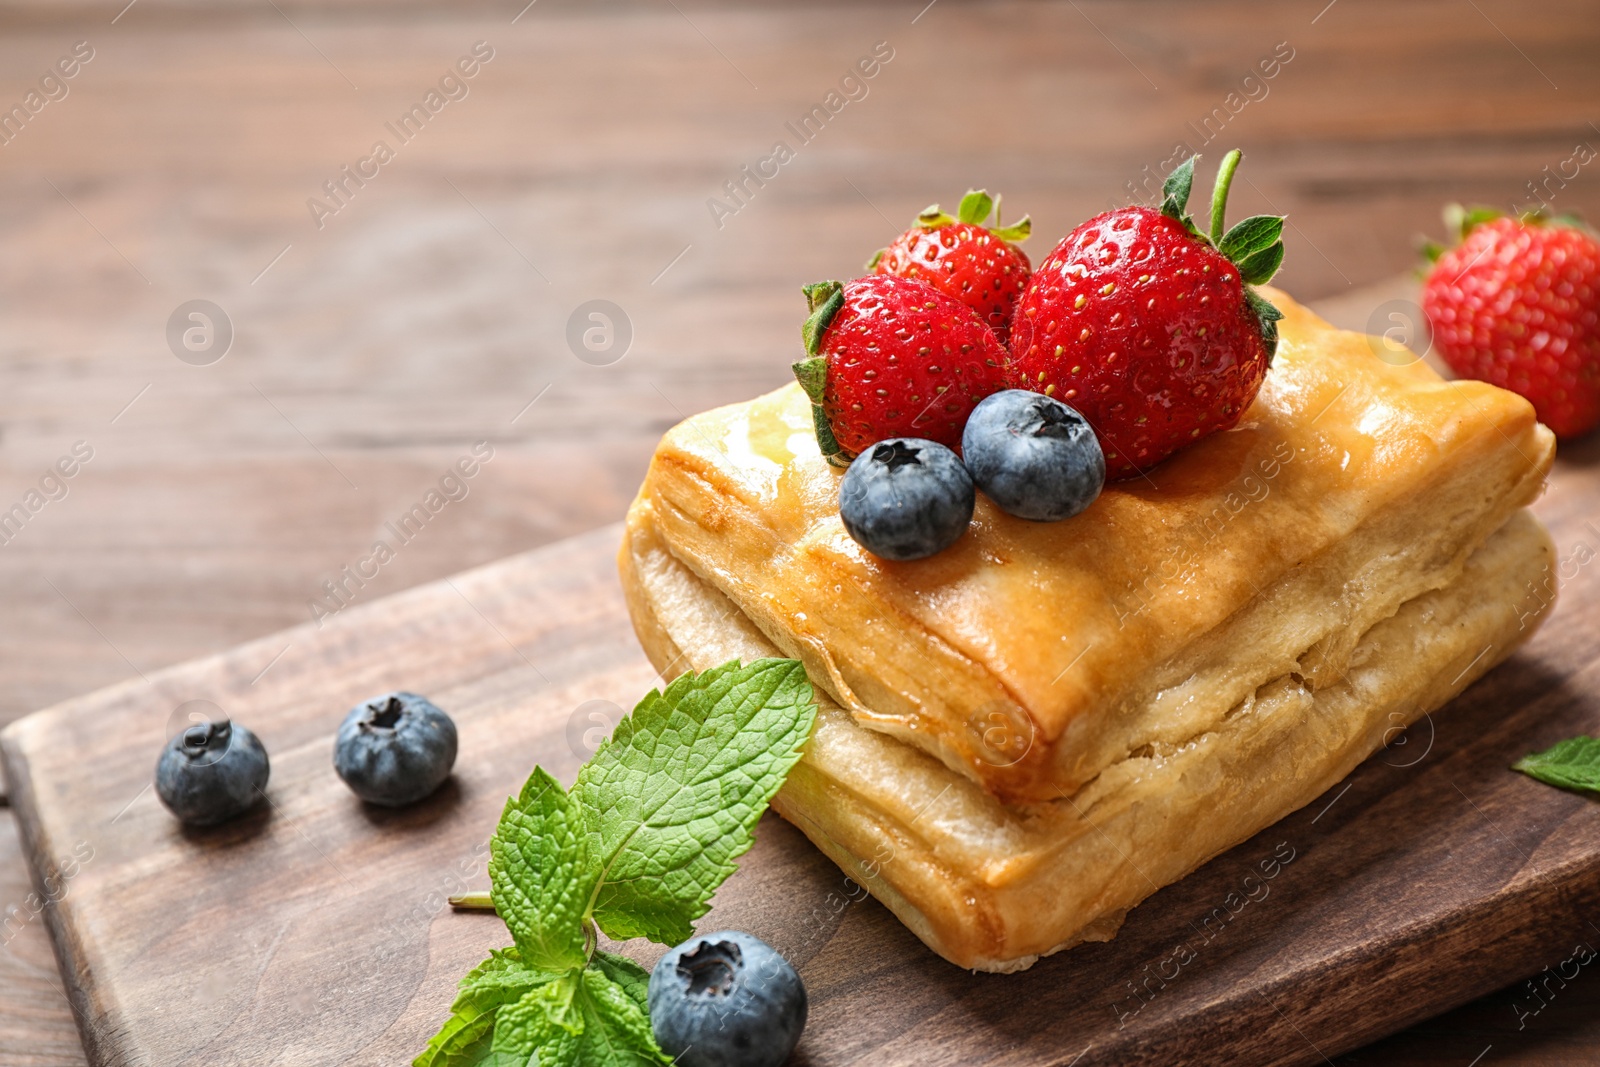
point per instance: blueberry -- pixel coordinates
(726, 1000)
(1034, 456)
(211, 772)
(906, 498)
(395, 749)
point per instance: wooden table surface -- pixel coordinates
(431, 310)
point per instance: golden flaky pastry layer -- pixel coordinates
(993, 887)
(1033, 657)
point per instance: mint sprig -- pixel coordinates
(542, 875)
(637, 848)
(1570, 764)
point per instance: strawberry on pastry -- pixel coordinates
(1517, 304)
(1148, 326)
(980, 266)
(891, 357)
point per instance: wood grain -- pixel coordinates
(417, 320)
(413, 324)
(316, 927)
(36, 1027)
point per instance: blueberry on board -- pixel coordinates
(395, 749)
(1034, 456)
(726, 1000)
(906, 498)
(211, 772)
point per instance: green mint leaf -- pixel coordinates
(616, 1029)
(1259, 267)
(463, 1041)
(500, 979)
(544, 1020)
(506, 1014)
(542, 875)
(639, 845)
(975, 207)
(1250, 236)
(673, 797)
(478, 1053)
(633, 979)
(1570, 764)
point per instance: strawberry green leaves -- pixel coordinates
(1268, 316)
(812, 374)
(1175, 194)
(1460, 220)
(1570, 764)
(636, 848)
(974, 210)
(686, 776)
(825, 299)
(1255, 245)
(975, 207)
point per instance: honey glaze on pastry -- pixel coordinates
(1030, 658)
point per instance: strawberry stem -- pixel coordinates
(1219, 195)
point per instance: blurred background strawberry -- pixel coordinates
(1517, 303)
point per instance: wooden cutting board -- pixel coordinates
(314, 931)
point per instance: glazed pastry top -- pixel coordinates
(998, 653)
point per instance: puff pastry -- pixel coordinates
(1030, 657)
(1024, 736)
(993, 886)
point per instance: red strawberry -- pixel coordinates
(890, 357)
(1148, 327)
(979, 266)
(1517, 304)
